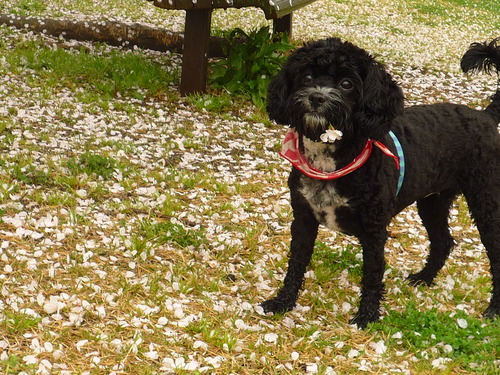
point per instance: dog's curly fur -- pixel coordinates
(449, 149)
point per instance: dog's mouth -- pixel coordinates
(314, 125)
(318, 109)
(314, 120)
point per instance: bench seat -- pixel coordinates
(273, 9)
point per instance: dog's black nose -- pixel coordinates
(316, 99)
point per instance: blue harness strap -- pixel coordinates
(401, 157)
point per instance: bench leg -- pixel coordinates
(283, 25)
(195, 52)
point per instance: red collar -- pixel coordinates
(291, 152)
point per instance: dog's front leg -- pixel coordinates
(372, 286)
(304, 230)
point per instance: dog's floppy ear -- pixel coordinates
(277, 95)
(382, 100)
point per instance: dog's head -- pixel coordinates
(330, 82)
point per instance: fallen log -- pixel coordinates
(114, 33)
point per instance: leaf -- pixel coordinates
(250, 65)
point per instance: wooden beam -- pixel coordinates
(195, 53)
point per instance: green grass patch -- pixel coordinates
(469, 342)
(433, 13)
(18, 322)
(213, 103)
(31, 175)
(168, 232)
(27, 7)
(93, 164)
(486, 5)
(214, 336)
(113, 73)
(328, 263)
(15, 365)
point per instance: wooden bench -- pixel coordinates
(197, 31)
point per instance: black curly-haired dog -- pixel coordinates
(339, 103)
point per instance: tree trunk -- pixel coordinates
(110, 32)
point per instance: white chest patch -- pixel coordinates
(317, 155)
(324, 201)
(321, 195)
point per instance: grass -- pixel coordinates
(15, 322)
(487, 5)
(432, 335)
(139, 229)
(108, 73)
(25, 7)
(450, 11)
(98, 165)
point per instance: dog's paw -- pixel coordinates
(363, 319)
(492, 312)
(278, 305)
(420, 278)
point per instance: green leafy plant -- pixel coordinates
(252, 60)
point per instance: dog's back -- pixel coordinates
(450, 143)
(445, 143)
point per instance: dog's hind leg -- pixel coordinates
(485, 209)
(304, 230)
(433, 211)
(491, 240)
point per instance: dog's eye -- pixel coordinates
(307, 78)
(346, 84)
